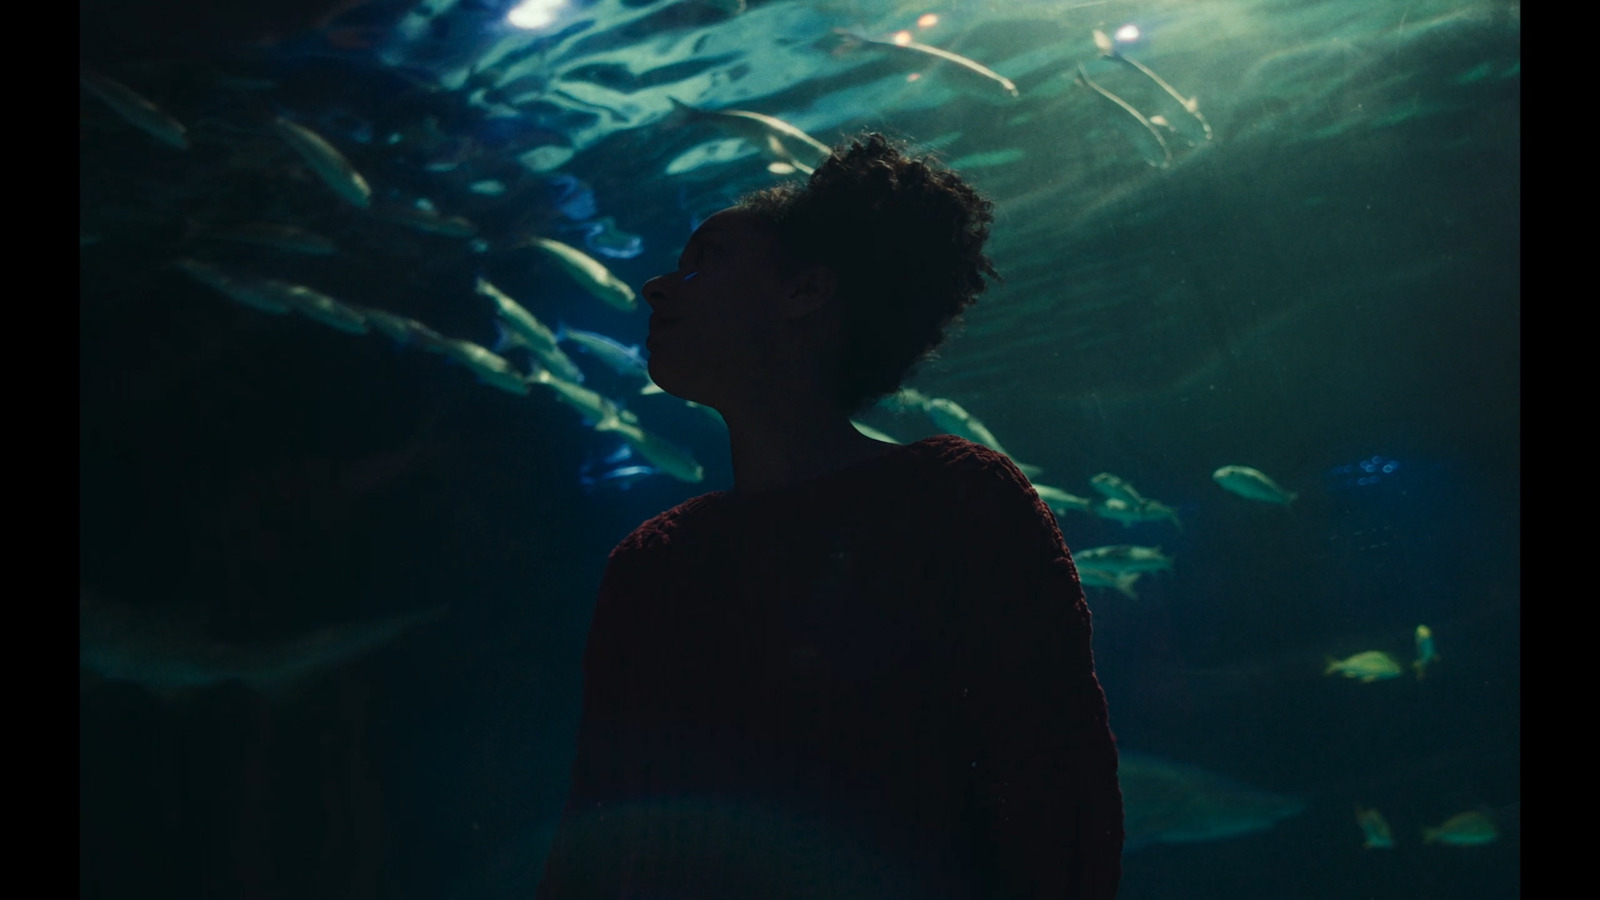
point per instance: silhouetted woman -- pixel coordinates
(865, 670)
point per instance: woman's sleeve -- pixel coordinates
(1034, 716)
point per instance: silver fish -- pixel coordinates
(776, 139)
(664, 455)
(1252, 484)
(1122, 558)
(489, 367)
(329, 164)
(136, 110)
(588, 272)
(976, 73)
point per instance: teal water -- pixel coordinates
(335, 585)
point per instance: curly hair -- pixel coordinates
(905, 241)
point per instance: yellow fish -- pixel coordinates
(1468, 829)
(1376, 828)
(1373, 665)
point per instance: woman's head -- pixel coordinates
(853, 277)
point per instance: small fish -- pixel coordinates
(1060, 501)
(974, 73)
(1373, 665)
(1376, 828)
(620, 478)
(950, 416)
(280, 237)
(1111, 486)
(426, 220)
(1129, 515)
(624, 359)
(776, 139)
(489, 367)
(239, 290)
(1252, 485)
(407, 332)
(519, 328)
(873, 433)
(1426, 655)
(588, 272)
(1121, 581)
(1121, 558)
(594, 407)
(316, 305)
(1468, 829)
(664, 455)
(1193, 127)
(136, 110)
(1144, 135)
(329, 164)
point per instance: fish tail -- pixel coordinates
(1333, 666)
(1429, 835)
(1418, 665)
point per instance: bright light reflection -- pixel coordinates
(534, 13)
(927, 20)
(1128, 33)
(902, 38)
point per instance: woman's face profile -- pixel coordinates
(713, 320)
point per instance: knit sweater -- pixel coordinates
(875, 683)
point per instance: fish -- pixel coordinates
(950, 416)
(1170, 802)
(314, 304)
(1144, 135)
(775, 139)
(1060, 501)
(406, 331)
(157, 652)
(623, 359)
(593, 406)
(489, 367)
(1468, 829)
(588, 272)
(239, 290)
(873, 433)
(1252, 485)
(1121, 558)
(1121, 581)
(280, 237)
(326, 161)
(519, 328)
(1373, 665)
(663, 454)
(1111, 486)
(1193, 127)
(974, 73)
(426, 220)
(1376, 828)
(1426, 655)
(1129, 515)
(136, 110)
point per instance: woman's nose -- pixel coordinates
(654, 290)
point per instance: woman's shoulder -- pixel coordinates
(666, 528)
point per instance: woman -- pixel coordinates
(865, 670)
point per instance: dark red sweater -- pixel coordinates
(875, 683)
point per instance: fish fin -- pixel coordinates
(1029, 470)
(505, 339)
